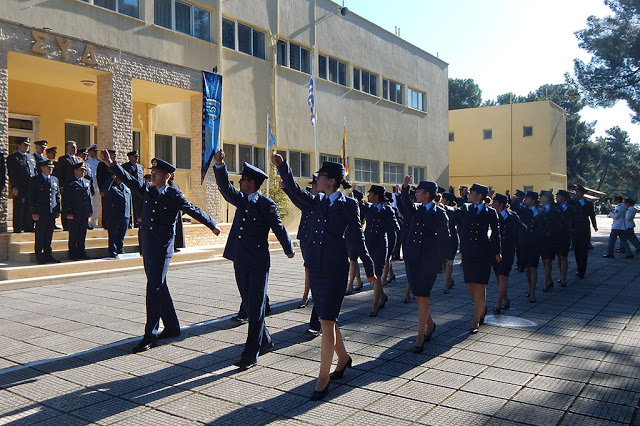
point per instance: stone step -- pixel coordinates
(63, 244)
(62, 254)
(62, 235)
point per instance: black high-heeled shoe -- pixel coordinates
(417, 349)
(474, 330)
(506, 305)
(406, 300)
(373, 314)
(337, 374)
(381, 305)
(358, 288)
(427, 337)
(496, 311)
(318, 395)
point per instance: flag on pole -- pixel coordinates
(271, 140)
(345, 159)
(211, 110)
(312, 101)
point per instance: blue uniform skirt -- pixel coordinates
(476, 266)
(327, 289)
(421, 277)
(530, 255)
(378, 251)
(453, 247)
(351, 250)
(548, 248)
(504, 267)
(562, 245)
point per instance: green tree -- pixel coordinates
(276, 193)
(617, 156)
(613, 73)
(464, 93)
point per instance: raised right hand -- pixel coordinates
(15, 192)
(35, 217)
(105, 157)
(219, 157)
(276, 159)
(407, 181)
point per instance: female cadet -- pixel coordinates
(388, 276)
(551, 223)
(354, 267)
(426, 247)
(529, 239)
(381, 222)
(327, 259)
(478, 250)
(509, 227)
(449, 202)
(565, 229)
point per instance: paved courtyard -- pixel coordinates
(65, 354)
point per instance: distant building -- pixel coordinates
(127, 74)
(518, 146)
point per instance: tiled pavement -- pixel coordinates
(64, 355)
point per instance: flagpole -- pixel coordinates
(313, 75)
(267, 163)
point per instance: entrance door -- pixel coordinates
(22, 126)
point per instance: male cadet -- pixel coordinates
(584, 213)
(44, 198)
(21, 167)
(91, 163)
(88, 174)
(464, 195)
(38, 155)
(159, 211)
(118, 209)
(76, 203)
(137, 172)
(64, 171)
(103, 175)
(248, 248)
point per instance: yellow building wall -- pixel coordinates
(509, 160)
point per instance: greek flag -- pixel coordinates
(312, 102)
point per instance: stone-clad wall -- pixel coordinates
(115, 113)
(4, 133)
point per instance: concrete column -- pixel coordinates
(206, 196)
(4, 133)
(115, 113)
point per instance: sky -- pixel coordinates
(504, 45)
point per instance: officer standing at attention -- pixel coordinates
(464, 195)
(38, 156)
(509, 229)
(91, 163)
(514, 204)
(21, 167)
(478, 250)
(51, 153)
(335, 217)
(551, 226)
(584, 213)
(88, 175)
(529, 239)
(65, 170)
(76, 203)
(248, 248)
(380, 224)
(160, 205)
(565, 232)
(426, 247)
(118, 208)
(135, 169)
(44, 196)
(453, 214)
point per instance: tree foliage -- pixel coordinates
(613, 73)
(464, 93)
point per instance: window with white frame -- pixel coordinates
(487, 134)
(183, 17)
(230, 157)
(126, 7)
(300, 163)
(253, 155)
(329, 157)
(415, 100)
(367, 170)
(365, 81)
(332, 69)
(360, 188)
(417, 174)
(83, 134)
(293, 56)
(393, 172)
(527, 131)
(243, 38)
(392, 91)
(174, 149)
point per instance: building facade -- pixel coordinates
(126, 74)
(518, 146)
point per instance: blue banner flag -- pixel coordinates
(211, 111)
(272, 140)
(312, 102)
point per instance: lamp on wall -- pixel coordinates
(88, 82)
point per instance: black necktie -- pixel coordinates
(474, 210)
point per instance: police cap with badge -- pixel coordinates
(46, 163)
(253, 173)
(501, 198)
(481, 189)
(41, 143)
(162, 165)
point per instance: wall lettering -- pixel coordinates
(64, 45)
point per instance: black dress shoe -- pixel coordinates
(384, 302)
(427, 337)
(312, 334)
(373, 314)
(85, 257)
(266, 348)
(240, 320)
(168, 334)
(417, 349)
(474, 330)
(41, 261)
(337, 374)
(608, 256)
(358, 288)
(496, 311)
(318, 395)
(629, 257)
(506, 305)
(52, 259)
(144, 345)
(245, 365)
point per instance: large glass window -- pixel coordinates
(365, 81)
(300, 163)
(164, 147)
(126, 7)
(393, 173)
(230, 157)
(415, 99)
(250, 40)
(282, 53)
(417, 174)
(183, 152)
(253, 155)
(332, 69)
(183, 17)
(392, 91)
(329, 157)
(299, 57)
(80, 133)
(367, 171)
